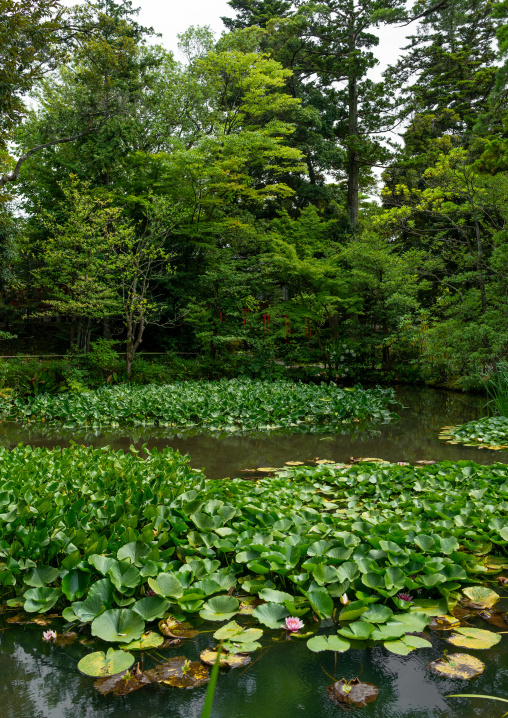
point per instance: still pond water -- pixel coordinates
(42, 681)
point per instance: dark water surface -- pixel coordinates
(42, 681)
(414, 437)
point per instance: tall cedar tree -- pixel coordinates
(447, 72)
(255, 12)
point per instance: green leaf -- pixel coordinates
(118, 625)
(102, 664)
(145, 643)
(353, 610)
(40, 600)
(321, 602)
(377, 614)
(328, 643)
(359, 630)
(75, 583)
(167, 585)
(271, 614)
(398, 647)
(133, 552)
(151, 607)
(220, 608)
(271, 596)
(41, 575)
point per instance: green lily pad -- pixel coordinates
(147, 641)
(220, 608)
(476, 638)
(118, 625)
(328, 643)
(151, 607)
(377, 613)
(430, 606)
(105, 664)
(457, 665)
(271, 614)
(359, 631)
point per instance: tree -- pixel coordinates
(459, 210)
(255, 12)
(98, 264)
(73, 262)
(446, 74)
(339, 41)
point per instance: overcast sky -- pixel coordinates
(171, 17)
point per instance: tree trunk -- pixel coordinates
(134, 339)
(72, 332)
(353, 183)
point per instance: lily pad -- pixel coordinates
(474, 638)
(220, 608)
(352, 693)
(481, 596)
(151, 607)
(295, 463)
(430, 606)
(232, 631)
(180, 673)
(227, 660)
(118, 625)
(105, 664)
(458, 665)
(174, 629)
(267, 469)
(444, 623)
(123, 683)
(328, 643)
(271, 614)
(147, 641)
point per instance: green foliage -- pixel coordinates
(235, 405)
(130, 523)
(490, 432)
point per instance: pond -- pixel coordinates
(285, 678)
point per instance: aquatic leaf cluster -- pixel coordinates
(234, 405)
(490, 432)
(121, 540)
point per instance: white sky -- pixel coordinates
(174, 16)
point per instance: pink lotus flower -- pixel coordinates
(405, 597)
(49, 636)
(293, 625)
(150, 593)
(402, 463)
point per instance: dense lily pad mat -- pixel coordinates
(119, 541)
(235, 405)
(491, 432)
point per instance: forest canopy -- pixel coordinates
(261, 198)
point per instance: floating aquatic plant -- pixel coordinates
(228, 405)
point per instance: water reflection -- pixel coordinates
(42, 682)
(413, 438)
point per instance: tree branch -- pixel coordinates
(437, 6)
(13, 176)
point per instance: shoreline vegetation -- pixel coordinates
(226, 405)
